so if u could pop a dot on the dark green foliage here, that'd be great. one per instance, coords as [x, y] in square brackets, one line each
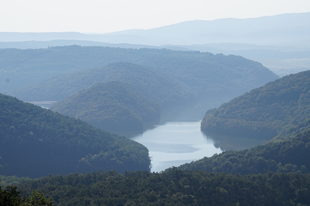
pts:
[195, 72]
[38, 199]
[174, 187]
[10, 196]
[35, 142]
[112, 106]
[282, 156]
[264, 112]
[292, 131]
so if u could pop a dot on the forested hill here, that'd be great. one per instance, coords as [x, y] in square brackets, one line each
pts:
[149, 81]
[264, 112]
[289, 155]
[111, 106]
[36, 142]
[204, 73]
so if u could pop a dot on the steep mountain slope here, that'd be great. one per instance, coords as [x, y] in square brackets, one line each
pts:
[37, 142]
[112, 106]
[264, 112]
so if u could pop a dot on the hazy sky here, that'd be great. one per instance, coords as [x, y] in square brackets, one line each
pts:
[100, 16]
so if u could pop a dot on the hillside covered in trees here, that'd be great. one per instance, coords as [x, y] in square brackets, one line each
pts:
[182, 83]
[173, 187]
[149, 81]
[288, 155]
[111, 106]
[10, 196]
[272, 174]
[202, 71]
[186, 74]
[263, 112]
[150, 86]
[36, 142]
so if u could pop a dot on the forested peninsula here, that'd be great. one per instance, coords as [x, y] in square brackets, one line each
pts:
[264, 112]
[36, 142]
[111, 106]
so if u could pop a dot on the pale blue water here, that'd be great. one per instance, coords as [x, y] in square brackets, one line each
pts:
[176, 143]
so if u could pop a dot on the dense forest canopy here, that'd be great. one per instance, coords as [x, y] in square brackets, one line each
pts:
[10, 196]
[112, 106]
[264, 112]
[37, 142]
[173, 187]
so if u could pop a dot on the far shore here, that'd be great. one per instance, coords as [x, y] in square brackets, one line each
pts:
[42, 102]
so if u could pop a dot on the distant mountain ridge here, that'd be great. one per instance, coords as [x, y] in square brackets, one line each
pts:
[279, 29]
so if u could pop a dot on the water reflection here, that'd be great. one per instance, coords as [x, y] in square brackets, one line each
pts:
[225, 142]
[43, 104]
[176, 143]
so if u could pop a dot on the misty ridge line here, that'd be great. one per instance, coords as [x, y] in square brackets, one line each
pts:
[289, 29]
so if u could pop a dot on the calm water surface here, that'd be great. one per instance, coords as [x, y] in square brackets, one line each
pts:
[176, 143]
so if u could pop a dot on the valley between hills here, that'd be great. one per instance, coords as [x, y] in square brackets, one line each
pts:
[80, 150]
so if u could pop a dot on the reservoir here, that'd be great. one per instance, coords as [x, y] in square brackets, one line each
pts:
[176, 143]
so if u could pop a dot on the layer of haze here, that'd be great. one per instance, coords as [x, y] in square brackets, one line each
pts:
[102, 16]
